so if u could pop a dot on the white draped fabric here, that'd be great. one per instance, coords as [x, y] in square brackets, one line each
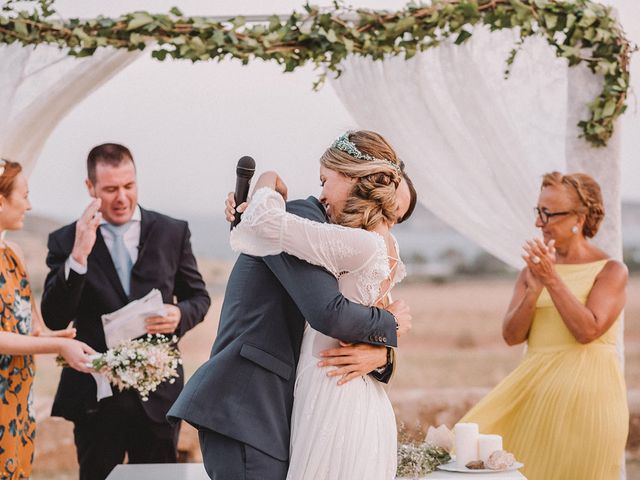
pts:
[39, 86]
[474, 142]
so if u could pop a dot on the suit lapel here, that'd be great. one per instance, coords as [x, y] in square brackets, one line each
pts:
[147, 221]
[103, 258]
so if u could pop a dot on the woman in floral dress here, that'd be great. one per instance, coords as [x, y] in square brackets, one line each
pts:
[22, 334]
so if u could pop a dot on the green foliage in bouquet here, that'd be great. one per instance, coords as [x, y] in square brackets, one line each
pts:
[582, 31]
[417, 460]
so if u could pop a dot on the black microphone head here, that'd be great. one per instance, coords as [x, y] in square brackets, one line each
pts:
[246, 167]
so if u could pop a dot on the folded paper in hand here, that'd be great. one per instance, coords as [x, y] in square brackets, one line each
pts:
[128, 322]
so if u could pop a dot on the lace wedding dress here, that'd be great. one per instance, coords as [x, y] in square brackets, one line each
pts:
[342, 432]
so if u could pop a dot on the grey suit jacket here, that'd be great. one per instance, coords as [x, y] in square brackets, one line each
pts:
[245, 389]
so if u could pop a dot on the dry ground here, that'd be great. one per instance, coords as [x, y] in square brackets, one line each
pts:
[453, 355]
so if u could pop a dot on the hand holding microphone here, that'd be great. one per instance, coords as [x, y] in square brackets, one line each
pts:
[233, 210]
[244, 171]
[230, 207]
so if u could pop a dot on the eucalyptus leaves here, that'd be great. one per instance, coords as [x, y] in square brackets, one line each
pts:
[582, 31]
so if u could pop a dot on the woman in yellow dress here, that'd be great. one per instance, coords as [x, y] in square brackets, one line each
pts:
[563, 411]
[20, 338]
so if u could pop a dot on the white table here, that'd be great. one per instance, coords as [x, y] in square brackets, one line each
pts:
[440, 475]
[195, 471]
[159, 471]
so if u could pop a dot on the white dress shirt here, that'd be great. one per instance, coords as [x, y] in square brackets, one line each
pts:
[131, 241]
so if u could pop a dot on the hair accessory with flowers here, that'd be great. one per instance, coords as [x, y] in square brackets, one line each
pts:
[345, 145]
[3, 162]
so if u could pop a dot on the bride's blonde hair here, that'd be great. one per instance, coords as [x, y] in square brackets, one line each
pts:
[373, 197]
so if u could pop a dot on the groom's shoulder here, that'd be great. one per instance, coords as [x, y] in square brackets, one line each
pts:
[64, 235]
[310, 208]
[162, 219]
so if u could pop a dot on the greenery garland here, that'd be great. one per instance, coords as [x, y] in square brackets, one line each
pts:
[582, 31]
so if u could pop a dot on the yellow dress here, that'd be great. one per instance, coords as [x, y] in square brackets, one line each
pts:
[563, 411]
[17, 421]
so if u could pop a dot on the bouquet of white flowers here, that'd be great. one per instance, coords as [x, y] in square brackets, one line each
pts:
[141, 364]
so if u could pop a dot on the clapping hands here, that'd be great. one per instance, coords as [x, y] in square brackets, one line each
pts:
[540, 259]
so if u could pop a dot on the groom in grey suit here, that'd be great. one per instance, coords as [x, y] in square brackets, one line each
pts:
[241, 399]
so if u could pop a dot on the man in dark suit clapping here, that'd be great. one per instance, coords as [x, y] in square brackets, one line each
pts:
[115, 253]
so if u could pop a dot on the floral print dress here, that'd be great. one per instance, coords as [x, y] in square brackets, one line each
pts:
[17, 420]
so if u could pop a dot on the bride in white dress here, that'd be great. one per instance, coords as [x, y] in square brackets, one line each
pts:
[348, 431]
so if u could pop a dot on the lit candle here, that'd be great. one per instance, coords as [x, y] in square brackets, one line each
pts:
[487, 444]
[466, 442]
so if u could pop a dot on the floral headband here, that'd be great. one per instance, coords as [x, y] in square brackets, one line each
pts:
[345, 145]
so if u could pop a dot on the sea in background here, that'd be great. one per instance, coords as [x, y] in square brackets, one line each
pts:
[428, 245]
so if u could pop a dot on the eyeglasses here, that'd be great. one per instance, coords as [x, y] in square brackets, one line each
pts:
[545, 215]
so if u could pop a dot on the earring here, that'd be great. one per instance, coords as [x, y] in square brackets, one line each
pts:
[574, 229]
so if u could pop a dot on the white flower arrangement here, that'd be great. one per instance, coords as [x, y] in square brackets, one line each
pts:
[415, 460]
[418, 460]
[141, 364]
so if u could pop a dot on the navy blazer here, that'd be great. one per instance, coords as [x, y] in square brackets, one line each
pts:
[245, 389]
[165, 261]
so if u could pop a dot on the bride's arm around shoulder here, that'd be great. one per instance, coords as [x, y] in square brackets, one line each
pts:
[268, 229]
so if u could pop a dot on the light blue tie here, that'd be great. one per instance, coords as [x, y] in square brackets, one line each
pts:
[120, 255]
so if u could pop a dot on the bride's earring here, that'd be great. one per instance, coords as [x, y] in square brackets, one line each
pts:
[574, 229]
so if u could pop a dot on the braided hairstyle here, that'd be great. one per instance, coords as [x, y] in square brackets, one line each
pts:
[8, 177]
[587, 196]
[373, 197]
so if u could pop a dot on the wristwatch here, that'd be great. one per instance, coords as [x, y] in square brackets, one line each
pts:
[391, 358]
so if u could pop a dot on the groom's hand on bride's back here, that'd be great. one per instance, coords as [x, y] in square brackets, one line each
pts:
[359, 359]
[353, 360]
[400, 310]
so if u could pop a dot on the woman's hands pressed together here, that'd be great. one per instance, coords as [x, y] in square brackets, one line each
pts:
[540, 259]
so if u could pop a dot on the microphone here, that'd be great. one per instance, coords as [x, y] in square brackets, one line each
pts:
[244, 171]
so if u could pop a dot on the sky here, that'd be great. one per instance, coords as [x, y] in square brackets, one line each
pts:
[188, 124]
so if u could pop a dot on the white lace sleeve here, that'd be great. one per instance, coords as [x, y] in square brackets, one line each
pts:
[267, 229]
[261, 227]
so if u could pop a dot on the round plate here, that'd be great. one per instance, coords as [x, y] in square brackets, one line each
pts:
[454, 467]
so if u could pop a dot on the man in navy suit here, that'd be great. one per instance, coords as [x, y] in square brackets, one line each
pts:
[115, 253]
[241, 399]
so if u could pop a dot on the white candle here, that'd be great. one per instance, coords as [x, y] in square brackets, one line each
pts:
[487, 444]
[466, 442]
